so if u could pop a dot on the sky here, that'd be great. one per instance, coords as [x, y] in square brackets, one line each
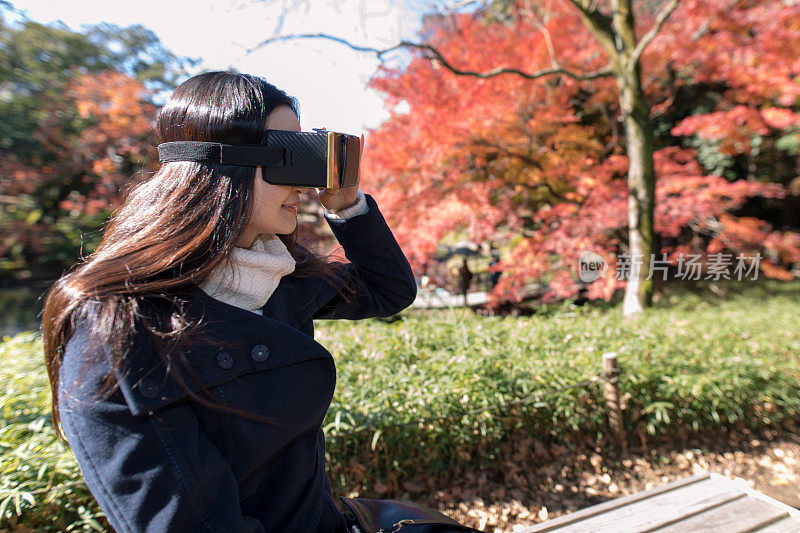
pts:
[328, 79]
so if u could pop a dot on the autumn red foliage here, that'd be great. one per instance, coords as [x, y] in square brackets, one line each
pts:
[537, 167]
[96, 138]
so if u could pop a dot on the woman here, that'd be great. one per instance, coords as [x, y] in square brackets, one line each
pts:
[181, 353]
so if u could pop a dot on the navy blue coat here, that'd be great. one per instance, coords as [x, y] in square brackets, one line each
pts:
[156, 460]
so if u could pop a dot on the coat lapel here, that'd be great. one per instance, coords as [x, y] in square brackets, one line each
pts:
[147, 385]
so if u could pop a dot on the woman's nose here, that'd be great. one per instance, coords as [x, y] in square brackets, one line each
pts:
[302, 190]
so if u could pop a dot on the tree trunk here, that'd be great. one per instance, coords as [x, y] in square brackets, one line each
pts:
[641, 202]
[641, 176]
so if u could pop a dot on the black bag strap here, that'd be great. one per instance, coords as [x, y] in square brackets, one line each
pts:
[245, 155]
[435, 526]
[391, 516]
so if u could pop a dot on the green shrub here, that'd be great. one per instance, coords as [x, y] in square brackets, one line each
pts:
[694, 362]
[41, 485]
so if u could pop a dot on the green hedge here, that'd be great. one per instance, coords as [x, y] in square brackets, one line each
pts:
[693, 363]
[41, 486]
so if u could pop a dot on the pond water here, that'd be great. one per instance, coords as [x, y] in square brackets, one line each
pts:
[21, 307]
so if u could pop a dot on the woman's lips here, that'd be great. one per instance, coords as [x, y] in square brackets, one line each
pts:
[292, 208]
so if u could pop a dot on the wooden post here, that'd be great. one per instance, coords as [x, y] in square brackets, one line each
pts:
[611, 393]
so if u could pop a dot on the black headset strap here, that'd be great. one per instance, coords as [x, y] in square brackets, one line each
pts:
[245, 155]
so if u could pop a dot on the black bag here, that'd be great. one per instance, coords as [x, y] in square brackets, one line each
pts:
[365, 515]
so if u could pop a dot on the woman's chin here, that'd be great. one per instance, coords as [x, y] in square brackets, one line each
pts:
[286, 230]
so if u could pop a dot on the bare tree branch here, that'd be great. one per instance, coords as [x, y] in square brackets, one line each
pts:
[435, 54]
[600, 24]
[444, 9]
[650, 35]
[541, 25]
[602, 28]
[284, 13]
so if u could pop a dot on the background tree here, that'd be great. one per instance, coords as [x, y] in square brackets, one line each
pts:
[78, 110]
[533, 157]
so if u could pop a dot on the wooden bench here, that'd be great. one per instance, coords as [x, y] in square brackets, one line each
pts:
[705, 502]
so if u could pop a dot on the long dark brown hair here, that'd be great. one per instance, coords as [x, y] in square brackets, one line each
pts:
[172, 230]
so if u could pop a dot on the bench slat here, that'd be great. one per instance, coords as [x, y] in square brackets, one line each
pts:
[787, 525]
[741, 515]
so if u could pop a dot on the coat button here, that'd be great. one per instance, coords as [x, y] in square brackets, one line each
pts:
[259, 353]
[225, 360]
[149, 388]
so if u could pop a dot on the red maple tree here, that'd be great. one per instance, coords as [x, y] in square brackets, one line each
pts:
[538, 167]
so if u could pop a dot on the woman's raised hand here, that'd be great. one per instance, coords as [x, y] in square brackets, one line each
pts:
[337, 199]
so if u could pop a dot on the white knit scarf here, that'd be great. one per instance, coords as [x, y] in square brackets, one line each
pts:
[252, 275]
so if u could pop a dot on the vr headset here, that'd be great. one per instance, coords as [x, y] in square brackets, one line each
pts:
[322, 159]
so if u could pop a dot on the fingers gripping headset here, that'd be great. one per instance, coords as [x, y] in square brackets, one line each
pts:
[321, 159]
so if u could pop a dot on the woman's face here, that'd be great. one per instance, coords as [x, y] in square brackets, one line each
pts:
[274, 206]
